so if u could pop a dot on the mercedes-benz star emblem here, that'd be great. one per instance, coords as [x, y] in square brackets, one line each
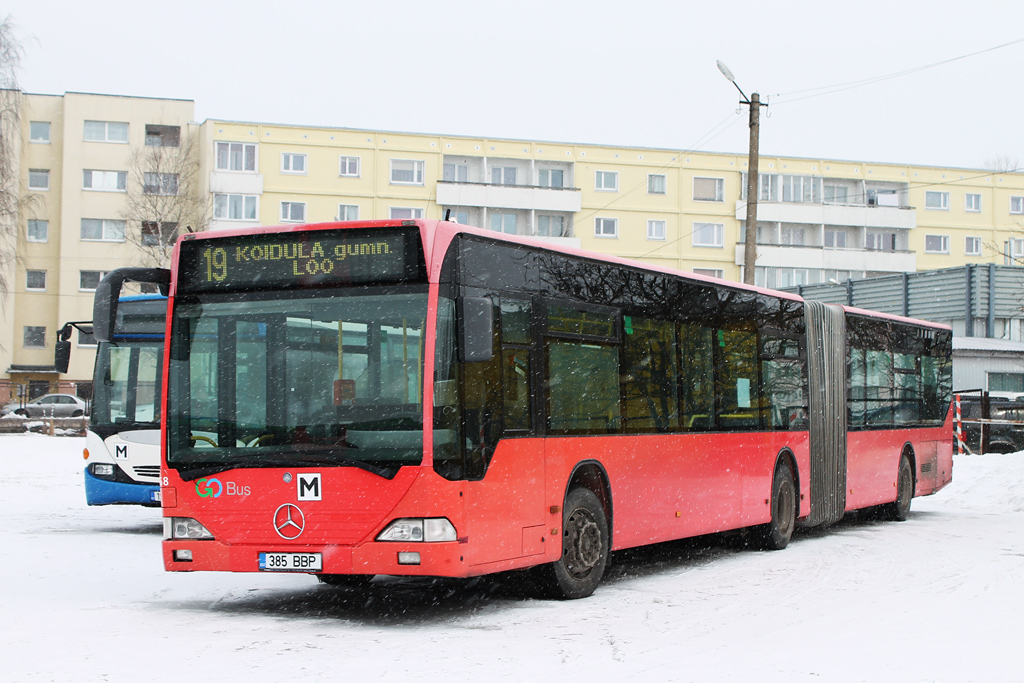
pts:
[289, 521]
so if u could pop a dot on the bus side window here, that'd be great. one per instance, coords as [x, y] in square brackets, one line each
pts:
[649, 380]
[736, 384]
[515, 357]
[696, 377]
[481, 381]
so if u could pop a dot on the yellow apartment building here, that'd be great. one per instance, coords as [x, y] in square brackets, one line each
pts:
[819, 220]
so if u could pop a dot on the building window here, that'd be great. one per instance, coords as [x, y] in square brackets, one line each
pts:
[38, 179]
[163, 136]
[165, 184]
[88, 338]
[937, 201]
[34, 337]
[972, 246]
[37, 231]
[708, 234]
[836, 194]
[504, 222]
[1016, 204]
[406, 172]
[89, 279]
[236, 156]
[102, 230]
[606, 181]
[708, 189]
[655, 183]
[39, 131]
[234, 207]
[1005, 381]
[606, 227]
[551, 226]
[403, 213]
[835, 239]
[156, 234]
[107, 181]
[106, 131]
[936, 244]
[35, 280]
[972, 202]
[655, 230]
[503, 175]
[293, 163]
[348, 212]
[455, 216]
[293, 212]
[792, 236]
[800, 188]
[880, 241]
[455, 173]
[349, 166]
[709, 272]
[551, 177]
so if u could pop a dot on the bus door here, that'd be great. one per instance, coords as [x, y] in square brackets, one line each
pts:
[505, 491]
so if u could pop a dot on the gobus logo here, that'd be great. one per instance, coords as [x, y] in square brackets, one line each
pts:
[213, 488]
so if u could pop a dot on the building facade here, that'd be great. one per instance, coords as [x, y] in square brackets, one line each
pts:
[819, 221]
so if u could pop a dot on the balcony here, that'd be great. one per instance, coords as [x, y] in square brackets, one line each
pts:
[784, 256]
[859, 215]
[236, 183]
[568, 199]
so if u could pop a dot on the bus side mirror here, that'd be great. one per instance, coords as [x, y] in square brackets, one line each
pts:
[476, 329]
[62, 355]
[108, 291]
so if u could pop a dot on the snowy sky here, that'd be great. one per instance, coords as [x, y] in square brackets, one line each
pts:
[595, 71]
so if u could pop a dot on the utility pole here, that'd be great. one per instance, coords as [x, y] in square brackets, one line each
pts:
[750, 231]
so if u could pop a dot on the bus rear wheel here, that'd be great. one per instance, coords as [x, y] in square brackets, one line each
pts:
[899, 509]
[775, 535]
[585, 548]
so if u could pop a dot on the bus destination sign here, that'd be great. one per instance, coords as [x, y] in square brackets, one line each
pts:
[321, 257]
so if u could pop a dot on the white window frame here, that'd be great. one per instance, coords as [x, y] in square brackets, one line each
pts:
[348, 212]
[227, 205]
[652, 183]
[288, 163]
[548, 218]
[227, 167]
[414, 213]
[34, 128]
[289, 209]
[718, 235]
[36, 174]
[161, 183]
[28, 287]
[972, 202]
[107, 228]
[972, 246]
[943, 244]
[835, 235]
[710, 272]
[106, 137]
[656, 230]
[943, 200]
[550, 173]
[602, 180]
[101, 274]
[1016, 205]
[416, 170]
[602, 226]
[90, 175]
[42, 336]
[346, 164]
[719, 189]
[29, 237]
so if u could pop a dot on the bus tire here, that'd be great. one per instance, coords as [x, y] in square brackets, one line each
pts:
[775, 535]
[585, 549]
[899, 509]
[350, 580]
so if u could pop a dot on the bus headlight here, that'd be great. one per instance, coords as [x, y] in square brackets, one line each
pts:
[430, 530]
[103, 470]
[178, 528]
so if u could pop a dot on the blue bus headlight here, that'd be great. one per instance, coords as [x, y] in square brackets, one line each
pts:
[429, 530]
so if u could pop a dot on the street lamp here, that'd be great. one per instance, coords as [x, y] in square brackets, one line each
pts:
[750, 233]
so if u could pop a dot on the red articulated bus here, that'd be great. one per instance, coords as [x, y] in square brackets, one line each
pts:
[423, 398]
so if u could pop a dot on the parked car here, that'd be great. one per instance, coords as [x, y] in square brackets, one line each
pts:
[1004, 423]
[51, 405]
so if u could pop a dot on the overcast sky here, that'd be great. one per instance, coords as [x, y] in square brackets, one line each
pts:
[621, 73]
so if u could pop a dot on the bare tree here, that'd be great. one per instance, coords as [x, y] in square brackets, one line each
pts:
[12, 202]
[1003, 163]
[164, 197]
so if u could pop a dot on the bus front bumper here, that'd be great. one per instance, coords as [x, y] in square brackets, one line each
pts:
[103, 492]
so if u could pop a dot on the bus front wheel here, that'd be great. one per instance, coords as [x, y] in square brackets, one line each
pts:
[775, 535]
[585, 548]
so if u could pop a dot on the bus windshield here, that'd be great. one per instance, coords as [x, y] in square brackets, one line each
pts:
[300, 378]
[127, 389]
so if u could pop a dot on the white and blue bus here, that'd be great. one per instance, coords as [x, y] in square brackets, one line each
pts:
[123, 440]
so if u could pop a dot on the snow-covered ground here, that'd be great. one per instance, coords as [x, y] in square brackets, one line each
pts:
[83, 597]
